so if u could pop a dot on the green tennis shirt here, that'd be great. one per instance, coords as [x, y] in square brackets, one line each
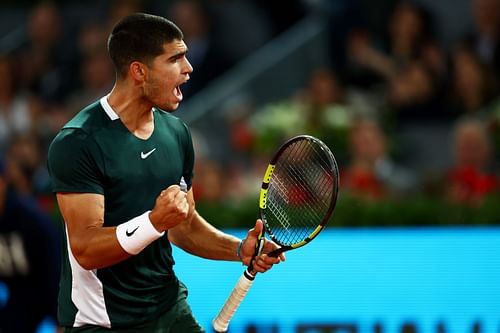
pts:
[95, 153]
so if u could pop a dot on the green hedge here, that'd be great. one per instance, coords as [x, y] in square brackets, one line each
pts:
[351, 212]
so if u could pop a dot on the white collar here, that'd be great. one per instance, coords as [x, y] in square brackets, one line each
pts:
[109, 110]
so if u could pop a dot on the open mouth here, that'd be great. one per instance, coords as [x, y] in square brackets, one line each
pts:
[178, 93]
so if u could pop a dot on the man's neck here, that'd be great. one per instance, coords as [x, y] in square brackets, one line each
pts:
[135, 114]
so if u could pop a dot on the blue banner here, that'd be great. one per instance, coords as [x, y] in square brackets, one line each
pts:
[363, 280]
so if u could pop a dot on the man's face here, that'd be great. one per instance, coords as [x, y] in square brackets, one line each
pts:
[165, 75]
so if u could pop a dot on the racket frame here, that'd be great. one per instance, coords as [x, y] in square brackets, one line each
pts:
[265, 185]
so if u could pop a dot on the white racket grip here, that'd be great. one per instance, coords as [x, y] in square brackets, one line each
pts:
[221, 322]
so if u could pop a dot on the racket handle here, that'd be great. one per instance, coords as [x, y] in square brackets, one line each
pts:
[221, 322]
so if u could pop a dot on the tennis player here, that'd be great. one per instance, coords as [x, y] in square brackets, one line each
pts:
[122, 169]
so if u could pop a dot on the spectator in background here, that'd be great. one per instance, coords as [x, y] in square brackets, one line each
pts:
[473, 83]
[412, 66]
[371, 174]
[204, 54]
[26, 168]
[46, 58]
[92, 38]
[29, 261]
[484, 39]
[323, 107]
[97, 77]
[410, 37]
[412, 94]
[17, 110]
[119, 9]
[472, 177]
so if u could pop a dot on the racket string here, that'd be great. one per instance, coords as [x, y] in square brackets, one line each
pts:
[322, 185]
[297, 177]
[280, 218]
[303, 175]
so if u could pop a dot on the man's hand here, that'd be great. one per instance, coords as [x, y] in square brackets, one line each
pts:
[262, 262]
[171, 208]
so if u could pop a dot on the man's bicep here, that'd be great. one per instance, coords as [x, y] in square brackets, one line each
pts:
[81, 211]
[92, 245]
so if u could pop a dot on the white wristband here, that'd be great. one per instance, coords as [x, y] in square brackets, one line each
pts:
[136, 234]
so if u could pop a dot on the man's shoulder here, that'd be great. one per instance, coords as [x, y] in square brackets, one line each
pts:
[167, 116]
[171, 120]
[78, 132]
[88, 119]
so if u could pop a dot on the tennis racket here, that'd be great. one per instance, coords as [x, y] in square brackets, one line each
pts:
[297, 198]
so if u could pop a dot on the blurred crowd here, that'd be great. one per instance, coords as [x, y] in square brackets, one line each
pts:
[405, 115]
[379, 83]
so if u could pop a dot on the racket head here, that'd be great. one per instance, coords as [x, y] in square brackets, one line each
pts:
[299, 192]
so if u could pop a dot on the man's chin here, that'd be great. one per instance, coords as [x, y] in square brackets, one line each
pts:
[170, 107]
[174, 107]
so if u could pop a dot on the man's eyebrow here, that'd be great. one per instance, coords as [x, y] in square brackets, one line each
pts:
[178, 55]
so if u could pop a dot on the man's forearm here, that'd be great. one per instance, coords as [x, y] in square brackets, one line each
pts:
[200, 238]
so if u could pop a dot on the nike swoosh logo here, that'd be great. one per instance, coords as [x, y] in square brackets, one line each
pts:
[130, 233]
[145, 155]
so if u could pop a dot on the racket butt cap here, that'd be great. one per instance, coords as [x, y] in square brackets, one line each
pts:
[218, 326]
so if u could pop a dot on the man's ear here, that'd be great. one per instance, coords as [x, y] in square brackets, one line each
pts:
[138, 71]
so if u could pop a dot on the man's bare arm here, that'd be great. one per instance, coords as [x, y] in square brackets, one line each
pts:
[200, 238]
[93, 245]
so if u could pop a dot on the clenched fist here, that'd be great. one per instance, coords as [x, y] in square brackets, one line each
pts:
[171, 208]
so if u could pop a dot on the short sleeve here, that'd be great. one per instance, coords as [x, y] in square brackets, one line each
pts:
[73, 163]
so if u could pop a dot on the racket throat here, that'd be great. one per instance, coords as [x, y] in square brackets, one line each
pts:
[249, 274]
[277, 252]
